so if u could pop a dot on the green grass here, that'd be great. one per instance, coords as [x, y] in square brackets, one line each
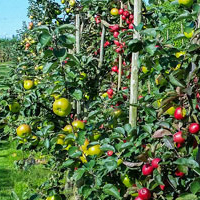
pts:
[17, 180]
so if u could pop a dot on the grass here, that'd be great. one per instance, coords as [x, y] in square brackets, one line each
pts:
[17, 180]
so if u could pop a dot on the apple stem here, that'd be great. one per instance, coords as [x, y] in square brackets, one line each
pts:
[78, 51]
[120, 56]
[134, 67]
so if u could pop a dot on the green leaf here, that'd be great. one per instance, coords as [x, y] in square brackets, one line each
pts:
[86, 191]
[126, 145]
[110, 189]
[147, 128]
[172, 180]
[44, 39]
[120, 130]
[74, 152]
[59, 53]
[187, 197]
[79, 173]
[48, 67]
[107, 147]
[77, 94]
[190, 162]
[110, 165]
[47, 143]
[175, 81]
[66, 26]
[195, 186]
[135, 45]
[67, 163]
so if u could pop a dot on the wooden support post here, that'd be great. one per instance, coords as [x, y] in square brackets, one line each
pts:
[103, 32]
[120, 56]
[134, 67]
[78, 51]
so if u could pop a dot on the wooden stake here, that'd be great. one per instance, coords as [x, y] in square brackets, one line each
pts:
[103, 32]
[120, 56]
[78, 51]
[134, 67]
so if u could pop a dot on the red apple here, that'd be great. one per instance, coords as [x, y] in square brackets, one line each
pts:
[127, 21]
[117, 42]
[115, 69]
[194, 128]
[123, 17]
[126, 13]
[178, 173]
[144, 193]
[147, 169]
[110, 92]
[131, 17]
[179, 113]
[138, 198]
[131, 26]
[155, 162]
[115, 34]
[110, 153]
[120, 11]
[162, 187]
[177, 137]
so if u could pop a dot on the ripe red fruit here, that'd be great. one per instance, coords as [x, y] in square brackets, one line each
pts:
[123, 17]
[126, 13]
[131, 17]
[144, 193]
[131, 26]
[75, 168]
[194, 128]
[179, 113]
[118, 50]
[110, 96]
[140, 97]
[128, 21]
[198, 95]
[117, 42]
[177, 137]
[155, 162]
[120, 11]
[115, 34]
[147, 169]
[110, 153]
[125, 97]
[110, 92]
[124, 63]
[97, 19]
[138, 198]
[115, 69]
[124, 88]
[114, 28]
[197, 107]
[178, 173]
[162, 187]
[107, 43]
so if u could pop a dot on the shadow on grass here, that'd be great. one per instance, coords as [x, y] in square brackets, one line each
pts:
[6, 182]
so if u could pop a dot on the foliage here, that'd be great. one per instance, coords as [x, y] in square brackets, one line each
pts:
[48, 56]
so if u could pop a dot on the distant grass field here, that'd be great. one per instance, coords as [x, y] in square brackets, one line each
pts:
[17, 181]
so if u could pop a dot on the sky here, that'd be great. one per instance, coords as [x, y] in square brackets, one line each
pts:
[12, 14]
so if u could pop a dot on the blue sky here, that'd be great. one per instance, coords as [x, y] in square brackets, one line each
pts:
[12, 14]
